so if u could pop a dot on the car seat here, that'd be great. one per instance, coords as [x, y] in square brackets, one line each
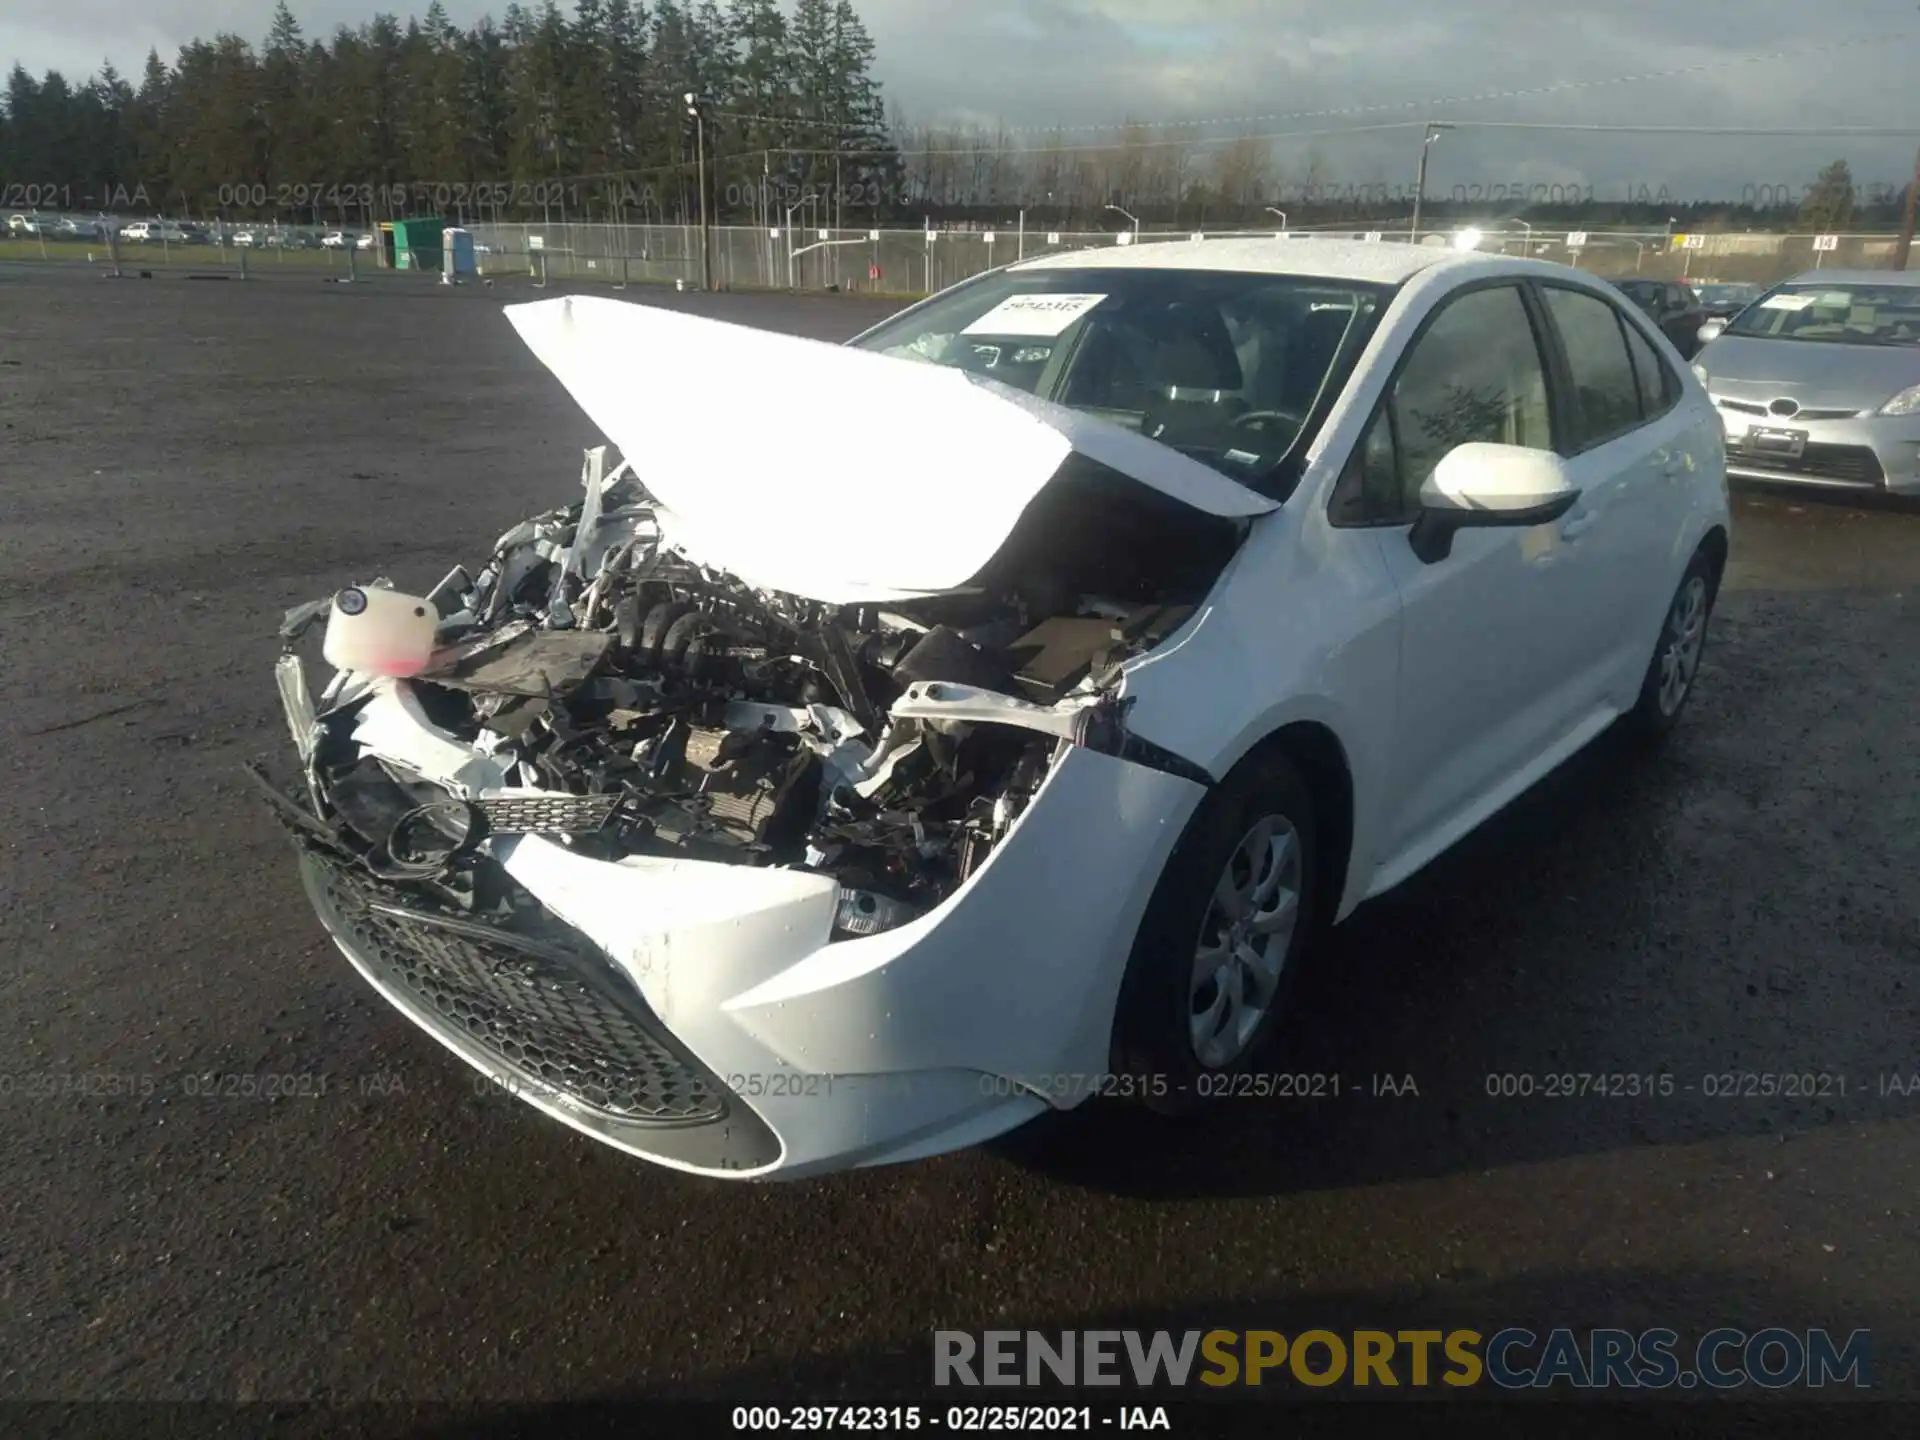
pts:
[1312, 343]
[1193, 375]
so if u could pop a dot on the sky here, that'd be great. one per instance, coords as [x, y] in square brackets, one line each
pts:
[1033, 64]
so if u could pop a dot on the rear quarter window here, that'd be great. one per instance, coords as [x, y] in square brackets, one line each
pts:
[1658, 385]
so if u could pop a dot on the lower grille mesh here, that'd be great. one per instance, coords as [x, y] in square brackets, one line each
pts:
[548, 1012]
[1848, 464]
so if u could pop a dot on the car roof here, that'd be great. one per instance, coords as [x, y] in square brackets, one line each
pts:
[1909, 278]
[1380, 262]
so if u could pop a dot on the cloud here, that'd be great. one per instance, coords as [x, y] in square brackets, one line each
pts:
[1033, 64]
[1374, 61]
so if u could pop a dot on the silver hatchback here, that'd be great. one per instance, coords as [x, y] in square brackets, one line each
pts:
[1818, 382]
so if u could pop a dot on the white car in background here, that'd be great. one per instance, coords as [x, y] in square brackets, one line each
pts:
[776, 810]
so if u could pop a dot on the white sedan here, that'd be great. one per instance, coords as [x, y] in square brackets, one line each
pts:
[815, 793]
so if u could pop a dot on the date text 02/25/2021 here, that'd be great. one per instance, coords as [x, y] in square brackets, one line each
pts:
[957, 1419]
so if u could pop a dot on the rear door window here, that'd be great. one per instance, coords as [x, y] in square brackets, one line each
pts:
[1606, 394]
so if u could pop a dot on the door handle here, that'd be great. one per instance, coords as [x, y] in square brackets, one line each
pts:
[1576, 526]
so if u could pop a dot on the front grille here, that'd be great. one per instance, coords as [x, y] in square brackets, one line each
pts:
[551, 1011]
[546, 813]
[1754, 407]
[1843, 464]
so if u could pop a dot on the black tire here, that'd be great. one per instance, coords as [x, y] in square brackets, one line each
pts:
[1153, 1044]
[1652, 718]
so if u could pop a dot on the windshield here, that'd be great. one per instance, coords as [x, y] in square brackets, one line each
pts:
[1234, 370]
[1836, 314]
[1728, 294]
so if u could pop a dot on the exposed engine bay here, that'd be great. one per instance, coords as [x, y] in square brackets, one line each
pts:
[633, 702]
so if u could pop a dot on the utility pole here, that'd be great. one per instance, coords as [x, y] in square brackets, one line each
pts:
[1905, 243]
[1434, 127]
[700, 153]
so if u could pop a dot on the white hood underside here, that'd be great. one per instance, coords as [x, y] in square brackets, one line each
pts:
[837, 474]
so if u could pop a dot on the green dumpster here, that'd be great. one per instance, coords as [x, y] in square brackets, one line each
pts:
[412, 244]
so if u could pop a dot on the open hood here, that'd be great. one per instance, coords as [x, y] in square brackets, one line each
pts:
[837, 474]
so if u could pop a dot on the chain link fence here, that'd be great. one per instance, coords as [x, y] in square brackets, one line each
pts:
[921, 261]
[917, 262]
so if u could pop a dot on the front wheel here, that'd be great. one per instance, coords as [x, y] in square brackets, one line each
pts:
[1219, 947]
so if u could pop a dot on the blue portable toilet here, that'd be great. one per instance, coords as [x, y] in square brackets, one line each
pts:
[457, 252]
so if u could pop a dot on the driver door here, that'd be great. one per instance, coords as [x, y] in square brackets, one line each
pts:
[1487, 671]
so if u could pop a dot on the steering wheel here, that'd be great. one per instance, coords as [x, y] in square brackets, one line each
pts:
[1265, 417]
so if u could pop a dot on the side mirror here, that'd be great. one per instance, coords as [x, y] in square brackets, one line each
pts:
[1710, 331]
[1478, 485]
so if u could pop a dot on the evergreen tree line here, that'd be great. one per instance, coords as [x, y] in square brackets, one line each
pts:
[541, 112]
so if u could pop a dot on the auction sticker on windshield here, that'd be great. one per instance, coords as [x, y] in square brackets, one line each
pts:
[1787, 302]
[1033, 315]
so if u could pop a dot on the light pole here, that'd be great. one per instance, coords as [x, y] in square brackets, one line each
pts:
[1434, 127]
[1527, 238]
[700, 153]
[787, 229]
[1903, 246]
[1276, 210]
[1134, 218]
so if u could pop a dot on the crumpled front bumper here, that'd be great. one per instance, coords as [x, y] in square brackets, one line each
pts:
[695, 1013]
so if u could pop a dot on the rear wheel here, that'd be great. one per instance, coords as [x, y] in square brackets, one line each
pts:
[1218, 950]
[1668, 683]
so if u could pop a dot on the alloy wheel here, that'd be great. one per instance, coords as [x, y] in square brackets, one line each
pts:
[1244, 940]
[1680, 644]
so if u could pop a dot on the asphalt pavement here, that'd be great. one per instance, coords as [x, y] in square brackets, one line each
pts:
[183, 460]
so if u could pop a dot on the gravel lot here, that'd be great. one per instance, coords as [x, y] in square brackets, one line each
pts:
[182, 460]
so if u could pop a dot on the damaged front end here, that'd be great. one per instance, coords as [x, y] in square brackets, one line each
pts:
[595, 685]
